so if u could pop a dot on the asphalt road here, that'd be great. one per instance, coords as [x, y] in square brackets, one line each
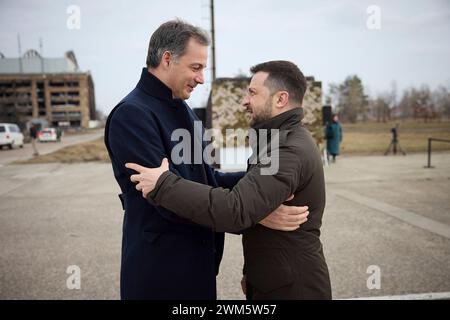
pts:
[387, 213]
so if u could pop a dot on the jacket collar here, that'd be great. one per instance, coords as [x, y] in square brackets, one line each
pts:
[286, 120]
[154, 87]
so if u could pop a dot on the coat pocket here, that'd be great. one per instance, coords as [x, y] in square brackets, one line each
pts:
[268, 269]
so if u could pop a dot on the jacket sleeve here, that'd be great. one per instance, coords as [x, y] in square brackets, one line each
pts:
[134, 136]
[228, 179]
[253, 198]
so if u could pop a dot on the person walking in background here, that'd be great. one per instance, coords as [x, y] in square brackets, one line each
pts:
[334, 137]
[33, 136]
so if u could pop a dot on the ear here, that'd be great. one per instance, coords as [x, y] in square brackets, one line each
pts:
[166, 58]
[281, 99]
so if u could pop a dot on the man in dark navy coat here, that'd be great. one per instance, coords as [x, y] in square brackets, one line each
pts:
[164, 256]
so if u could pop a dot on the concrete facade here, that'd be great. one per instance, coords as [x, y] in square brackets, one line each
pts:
[64, 97]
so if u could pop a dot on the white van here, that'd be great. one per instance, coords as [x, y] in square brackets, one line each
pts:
[10, 135]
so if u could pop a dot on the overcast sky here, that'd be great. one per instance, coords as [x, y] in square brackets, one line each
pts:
[326, 39]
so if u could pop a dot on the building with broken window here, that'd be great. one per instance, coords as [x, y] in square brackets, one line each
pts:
[51, 89]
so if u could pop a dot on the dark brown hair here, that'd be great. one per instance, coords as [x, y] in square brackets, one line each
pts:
[283, 75]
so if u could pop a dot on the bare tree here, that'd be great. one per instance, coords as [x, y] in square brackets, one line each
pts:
[441, 100]
[418, 104]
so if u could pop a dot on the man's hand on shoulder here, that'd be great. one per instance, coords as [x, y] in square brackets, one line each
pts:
[148, 177]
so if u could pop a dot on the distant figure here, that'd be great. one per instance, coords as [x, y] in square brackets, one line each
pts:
[334, 137]
[33, 136]
[394, 142]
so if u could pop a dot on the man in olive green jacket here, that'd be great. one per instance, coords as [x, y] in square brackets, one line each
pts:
[277, 265]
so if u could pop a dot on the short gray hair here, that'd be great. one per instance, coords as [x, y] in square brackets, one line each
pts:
[173, 36]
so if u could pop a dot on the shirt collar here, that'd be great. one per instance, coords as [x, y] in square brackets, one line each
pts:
[285, 120]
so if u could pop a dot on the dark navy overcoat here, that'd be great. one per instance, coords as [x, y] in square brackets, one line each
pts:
[163, 256]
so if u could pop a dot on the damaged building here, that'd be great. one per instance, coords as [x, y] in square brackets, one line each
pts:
[52, 89]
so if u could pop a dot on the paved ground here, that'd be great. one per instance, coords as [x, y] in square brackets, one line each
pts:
[7, 156]
[384, 211]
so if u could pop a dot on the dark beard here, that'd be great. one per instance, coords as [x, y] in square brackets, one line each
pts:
[264, 115]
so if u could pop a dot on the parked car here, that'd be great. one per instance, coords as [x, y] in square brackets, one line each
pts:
[10, 135]
[49, 134]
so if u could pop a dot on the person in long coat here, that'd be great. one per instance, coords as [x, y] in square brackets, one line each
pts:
[334, 137]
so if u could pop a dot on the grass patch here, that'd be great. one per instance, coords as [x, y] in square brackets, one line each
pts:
[374, 138]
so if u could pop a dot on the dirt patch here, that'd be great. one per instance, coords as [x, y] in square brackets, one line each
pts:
[84, 152]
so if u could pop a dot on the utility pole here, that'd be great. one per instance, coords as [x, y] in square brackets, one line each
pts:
[213, 44]
[42, 54]
[20, 54]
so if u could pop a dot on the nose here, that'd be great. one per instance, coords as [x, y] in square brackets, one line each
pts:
[245, 101]
[200, 78]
